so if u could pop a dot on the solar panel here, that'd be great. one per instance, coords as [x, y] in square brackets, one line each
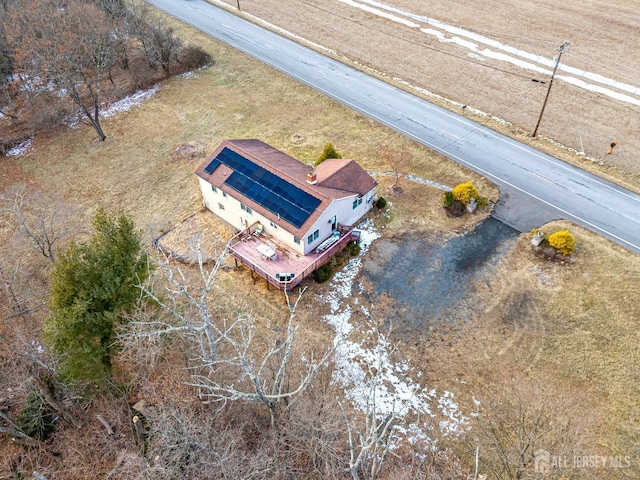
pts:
[273, 202]
[280, 197]
[215, 163]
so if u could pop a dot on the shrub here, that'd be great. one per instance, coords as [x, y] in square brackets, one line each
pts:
[354, 249]
[323, 273]
[464, 192]
[562, 242]
[447, 198]
[193, 57]
[483, 202]
[328, 152]
[381, 203]
[36, 420]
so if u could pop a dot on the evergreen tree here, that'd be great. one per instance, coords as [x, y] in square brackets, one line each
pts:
[92, 284]
[327, 152]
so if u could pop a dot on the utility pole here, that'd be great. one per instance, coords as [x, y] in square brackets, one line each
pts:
[238, 3]
[560, 49]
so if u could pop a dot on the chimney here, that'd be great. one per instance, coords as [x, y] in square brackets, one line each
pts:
[311, 177]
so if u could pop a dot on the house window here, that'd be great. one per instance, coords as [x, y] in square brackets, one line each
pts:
[224, 194]
[245, 208]
[310, 239]
[360, 201]
[214, 189]
[296, 240]
[221, 206]
[273, 225]
[316, 234]
[355, 204]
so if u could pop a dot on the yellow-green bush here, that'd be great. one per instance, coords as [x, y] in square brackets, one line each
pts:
[464, 192]
[447, 198]
[483, 202]
[562, 242]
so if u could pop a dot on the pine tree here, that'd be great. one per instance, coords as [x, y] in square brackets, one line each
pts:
[327, 152]
[92, 285]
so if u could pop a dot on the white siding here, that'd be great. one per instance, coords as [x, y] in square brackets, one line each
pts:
[241, 219]
[234, 214]
[345, 213]
[280, 233]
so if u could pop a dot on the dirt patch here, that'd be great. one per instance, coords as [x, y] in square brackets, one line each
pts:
[190, 151]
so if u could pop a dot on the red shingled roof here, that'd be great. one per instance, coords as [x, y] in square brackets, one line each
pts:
[337, 178]
[344, 174]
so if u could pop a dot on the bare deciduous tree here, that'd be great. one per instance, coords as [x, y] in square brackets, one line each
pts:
[371, 437]
[20, 293]
[265, 378]
[43, 218]
[159, 42]
[520, 418]
[229, 365]
[397, 158]
[189, 305]
[193, 442]
[67, 49]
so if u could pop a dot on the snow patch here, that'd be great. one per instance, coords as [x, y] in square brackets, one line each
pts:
[192, 73]
[123, 105]
[38, 346]
[357, 365]
[129, 102]
[20, 149]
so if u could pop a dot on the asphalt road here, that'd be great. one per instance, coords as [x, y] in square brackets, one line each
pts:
[534, 186]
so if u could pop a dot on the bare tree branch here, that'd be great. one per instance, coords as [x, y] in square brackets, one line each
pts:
[44, 219]
[229, 367]
[370, 444]
[267, 375]
[179, 288]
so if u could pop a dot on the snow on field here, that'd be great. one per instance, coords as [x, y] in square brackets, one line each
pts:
[20, 149]
[125, 104]
[122, 105]
[354, 362]
[413, 178]
[192, 73]
[475, 44]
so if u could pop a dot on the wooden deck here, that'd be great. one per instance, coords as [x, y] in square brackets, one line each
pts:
[288, 268]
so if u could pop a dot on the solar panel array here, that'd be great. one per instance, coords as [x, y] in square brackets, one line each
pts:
[280, 197]
[215, 163]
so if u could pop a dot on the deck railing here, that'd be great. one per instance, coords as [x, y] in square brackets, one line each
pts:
[326, 255]
[346, 235]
